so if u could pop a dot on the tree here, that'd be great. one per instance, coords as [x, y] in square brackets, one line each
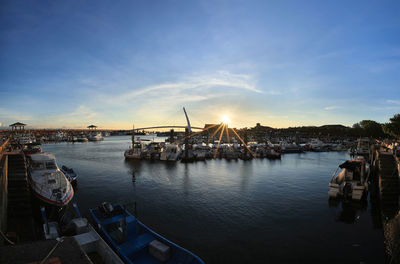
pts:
[372, 128]
[393, 128]
[357, 130]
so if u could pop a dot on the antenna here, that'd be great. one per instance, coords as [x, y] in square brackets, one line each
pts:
[188, 122]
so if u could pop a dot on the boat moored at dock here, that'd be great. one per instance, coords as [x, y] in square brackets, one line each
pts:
[95, 136]
[47, 181]
[352, 181]
[136, 151]
[171, 152]
[69, 173]
[135, 242]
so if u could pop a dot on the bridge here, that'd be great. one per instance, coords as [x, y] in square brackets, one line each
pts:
[188, 126]
[156, 127]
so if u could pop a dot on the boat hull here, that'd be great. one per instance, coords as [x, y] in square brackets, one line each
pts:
[137, 239]
[54, 202]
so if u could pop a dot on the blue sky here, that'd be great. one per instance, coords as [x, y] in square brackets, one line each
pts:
[281, 63]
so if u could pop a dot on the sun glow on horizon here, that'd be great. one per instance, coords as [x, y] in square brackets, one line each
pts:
[226, 120]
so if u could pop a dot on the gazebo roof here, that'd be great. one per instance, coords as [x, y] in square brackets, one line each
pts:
[91, 126]
[17, 124]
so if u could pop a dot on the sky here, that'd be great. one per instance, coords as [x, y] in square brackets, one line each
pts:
[118, 63]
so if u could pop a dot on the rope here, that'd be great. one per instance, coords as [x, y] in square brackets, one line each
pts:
[6, 238]
[59, 240]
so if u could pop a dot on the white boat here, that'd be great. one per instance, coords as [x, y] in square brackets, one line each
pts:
[47, 181]
[153, 151]
[136, 151]
[24, 140]
[171, 152]
[363, 145]
[316, 144]
[95, 136]
[352, 181]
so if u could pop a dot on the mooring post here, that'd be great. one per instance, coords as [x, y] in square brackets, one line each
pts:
[171, 136]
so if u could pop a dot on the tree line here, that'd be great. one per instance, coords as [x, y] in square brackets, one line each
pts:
[370, 128]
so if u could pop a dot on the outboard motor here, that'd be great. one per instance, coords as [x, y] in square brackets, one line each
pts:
[106, 208]
[347, 190]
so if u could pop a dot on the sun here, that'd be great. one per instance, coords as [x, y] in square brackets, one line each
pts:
[225, 119]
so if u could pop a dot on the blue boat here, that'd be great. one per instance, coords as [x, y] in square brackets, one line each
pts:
[135, 242]
[69, 173]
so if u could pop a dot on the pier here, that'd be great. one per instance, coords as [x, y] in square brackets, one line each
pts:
[17, 221]
[387, 169]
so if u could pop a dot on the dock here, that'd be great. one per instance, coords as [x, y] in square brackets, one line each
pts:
[67, 251]
[388, 179]
[21, 225]
[387, 167]
[21, 239]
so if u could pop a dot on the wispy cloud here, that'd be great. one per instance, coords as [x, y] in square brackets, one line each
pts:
[393, 102]
[333, 107]
[189, 88]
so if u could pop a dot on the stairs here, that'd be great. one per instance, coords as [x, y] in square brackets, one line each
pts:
[19, 208]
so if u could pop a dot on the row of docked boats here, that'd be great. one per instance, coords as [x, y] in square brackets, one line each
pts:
[197, 152]
[115, 236]
[26, 139]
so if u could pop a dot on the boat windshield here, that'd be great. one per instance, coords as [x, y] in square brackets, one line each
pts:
[38, 166]
[51, 165]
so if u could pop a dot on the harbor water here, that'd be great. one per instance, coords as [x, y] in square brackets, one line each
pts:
[257, 211]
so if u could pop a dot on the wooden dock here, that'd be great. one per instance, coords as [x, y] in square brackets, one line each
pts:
[388, 179]
[20, 222]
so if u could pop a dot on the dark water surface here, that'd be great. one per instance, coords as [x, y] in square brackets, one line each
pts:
[259, 211]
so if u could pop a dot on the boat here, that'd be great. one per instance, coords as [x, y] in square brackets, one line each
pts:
[69, 173]
[90, 242]
[363, 145]
[352, 181]
[82, 138]
[152, 151]
[136, 151]
[95, 136]
[272, 154]
[171, 152]
[31, 148]
[135, 242]
[231, 153]
[24, 140]
[47, 181]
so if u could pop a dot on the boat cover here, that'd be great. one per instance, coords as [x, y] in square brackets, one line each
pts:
[350, 165]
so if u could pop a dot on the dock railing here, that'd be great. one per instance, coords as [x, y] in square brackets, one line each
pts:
[4, 146]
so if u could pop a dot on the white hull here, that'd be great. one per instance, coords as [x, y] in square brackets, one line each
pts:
[351, 182]
[47, 182]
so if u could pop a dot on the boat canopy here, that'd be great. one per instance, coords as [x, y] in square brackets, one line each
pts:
[42, 157]
[350, 164]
